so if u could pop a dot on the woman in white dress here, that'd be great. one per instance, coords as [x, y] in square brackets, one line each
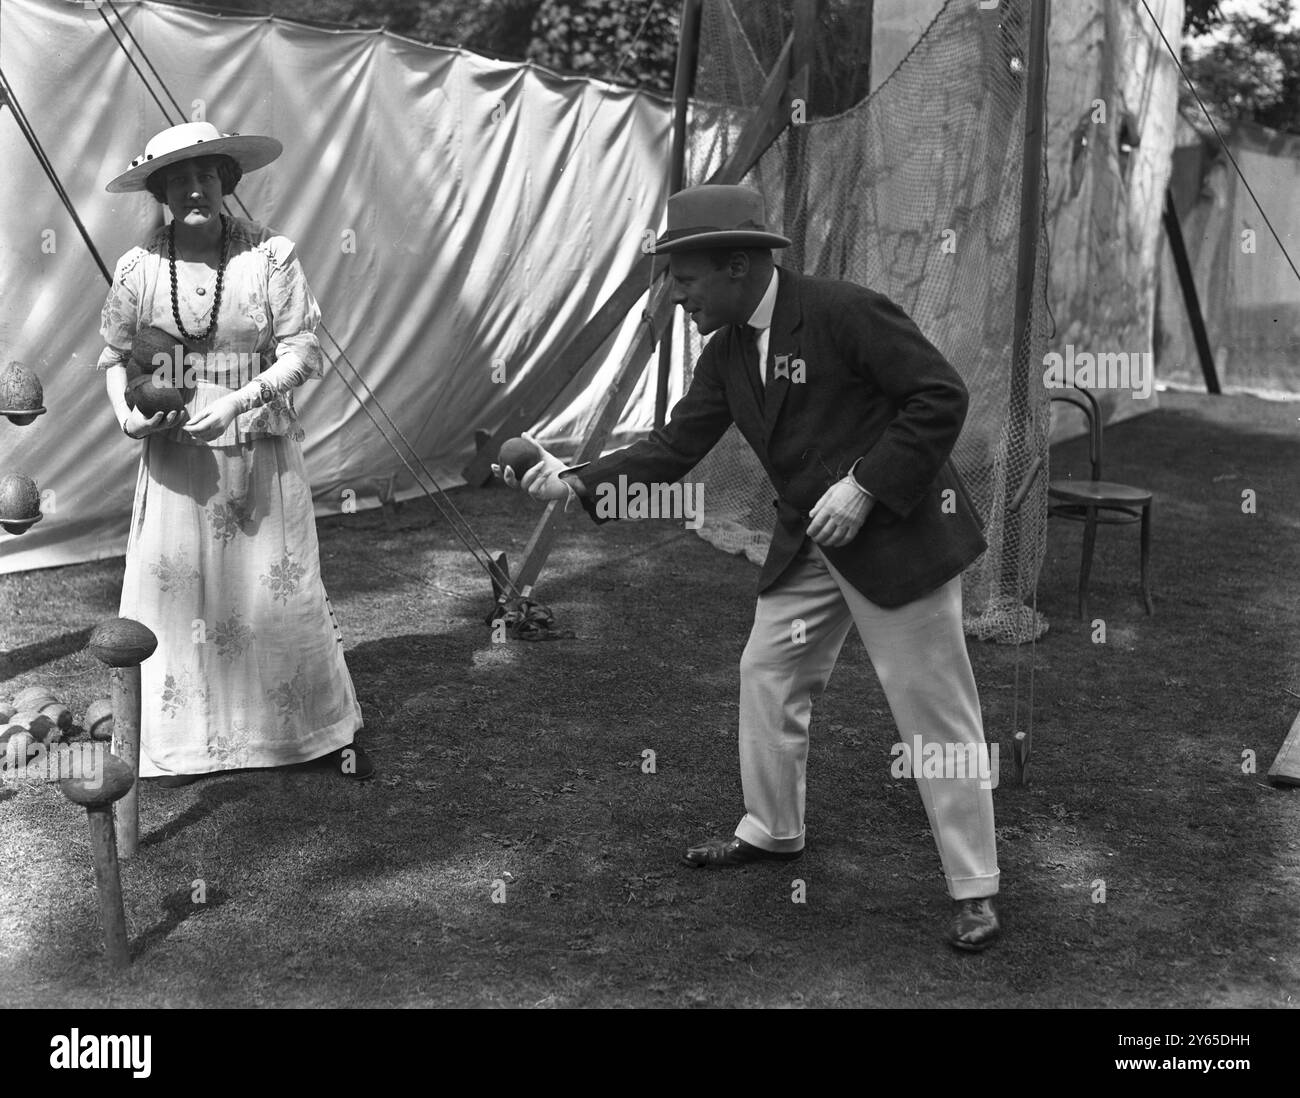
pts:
[222, 560]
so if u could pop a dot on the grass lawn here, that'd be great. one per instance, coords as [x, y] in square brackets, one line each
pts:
[521, 763]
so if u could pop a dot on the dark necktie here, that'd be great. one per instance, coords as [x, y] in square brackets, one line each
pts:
[749, 347]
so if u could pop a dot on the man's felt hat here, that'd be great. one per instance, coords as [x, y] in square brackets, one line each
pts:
[191, 139]
[717, 216]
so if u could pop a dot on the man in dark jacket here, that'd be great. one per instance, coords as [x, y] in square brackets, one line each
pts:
[853, 414]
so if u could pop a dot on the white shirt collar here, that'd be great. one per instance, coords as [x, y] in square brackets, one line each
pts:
[762, 317]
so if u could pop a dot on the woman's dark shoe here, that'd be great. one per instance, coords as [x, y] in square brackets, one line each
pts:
[352, 762]
[175, 781]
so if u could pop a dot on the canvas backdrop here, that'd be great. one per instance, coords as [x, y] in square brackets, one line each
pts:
[451, 212]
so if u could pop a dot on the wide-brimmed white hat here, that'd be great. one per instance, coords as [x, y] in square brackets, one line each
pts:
[192, 139]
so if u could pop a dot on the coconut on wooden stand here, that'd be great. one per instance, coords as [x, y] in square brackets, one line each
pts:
[21, 394]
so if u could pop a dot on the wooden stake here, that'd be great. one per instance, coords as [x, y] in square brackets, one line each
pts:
[124, 644]
[108, 882]
[96, 786]
[688, 54]
[126, 746]
[1192, 302]
[613, 403]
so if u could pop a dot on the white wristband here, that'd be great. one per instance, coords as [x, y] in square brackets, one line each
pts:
[573, 492]
[854, 481]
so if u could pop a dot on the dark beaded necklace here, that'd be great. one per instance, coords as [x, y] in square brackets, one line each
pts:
[216, 296]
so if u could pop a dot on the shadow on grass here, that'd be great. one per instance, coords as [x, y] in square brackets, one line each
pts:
[212, 795]
[177, 907]
[31, 656]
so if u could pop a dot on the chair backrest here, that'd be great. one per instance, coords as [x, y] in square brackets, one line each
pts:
[1081, 398]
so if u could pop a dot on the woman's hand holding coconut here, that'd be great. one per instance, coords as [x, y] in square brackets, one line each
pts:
[135, 424]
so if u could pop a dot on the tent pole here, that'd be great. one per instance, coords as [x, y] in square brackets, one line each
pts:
[1191, 300]
[1031, 218]
[7, 99]
[1031, 183]
[658, 310]
[802, 59]
[688, 56]
[1031, 214]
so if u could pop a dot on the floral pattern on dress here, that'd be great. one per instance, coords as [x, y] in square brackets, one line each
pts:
[174, 573]
[230, 518]
[232, 751]
[289, 698]
[120, 316]
[273, 417]
[180, 691]
[284, 578]
[232, 636]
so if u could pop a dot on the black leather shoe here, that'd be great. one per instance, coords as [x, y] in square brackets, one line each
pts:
[975, 926]
[353, 763]
[721, 853]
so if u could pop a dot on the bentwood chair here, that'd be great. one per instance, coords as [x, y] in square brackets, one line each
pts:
[1099, 502]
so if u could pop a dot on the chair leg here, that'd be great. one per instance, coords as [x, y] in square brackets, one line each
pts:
[1085, 566]
[1146, 556]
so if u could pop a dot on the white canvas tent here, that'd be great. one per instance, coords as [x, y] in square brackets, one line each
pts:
[452, 213]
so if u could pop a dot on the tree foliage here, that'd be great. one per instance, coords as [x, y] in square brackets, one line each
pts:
[632, 41]
[1249, 70]
[1201, 16]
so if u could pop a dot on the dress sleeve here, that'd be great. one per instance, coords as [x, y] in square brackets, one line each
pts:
[121, 314]
[295, 315]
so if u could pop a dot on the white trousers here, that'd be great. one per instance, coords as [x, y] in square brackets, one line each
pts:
[919, 654]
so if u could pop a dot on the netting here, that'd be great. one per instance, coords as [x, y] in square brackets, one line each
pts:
[913, 191]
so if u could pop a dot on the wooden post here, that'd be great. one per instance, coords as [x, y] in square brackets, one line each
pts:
[1031, 213]
[1177, 246]
[126, 746]
[124, 644]
[96, 787]
[615, 400]
[802, 59]
[688, 54]
[1031, 195]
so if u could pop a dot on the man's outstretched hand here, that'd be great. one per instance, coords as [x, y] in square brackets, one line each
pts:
[839, 514]
[542, 481]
